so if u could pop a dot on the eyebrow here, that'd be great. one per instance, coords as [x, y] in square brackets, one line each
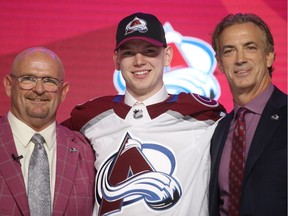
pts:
[250, 43]
[245, 44]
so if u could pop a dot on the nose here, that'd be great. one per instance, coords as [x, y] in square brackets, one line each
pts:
[240, 57]
[139, 59]
[39, 88]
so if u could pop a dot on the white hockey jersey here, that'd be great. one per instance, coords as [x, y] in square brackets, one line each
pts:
[150, 160]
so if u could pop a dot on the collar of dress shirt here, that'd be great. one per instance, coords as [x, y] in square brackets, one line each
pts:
[257, 105]
[23, 132]
[160, 96]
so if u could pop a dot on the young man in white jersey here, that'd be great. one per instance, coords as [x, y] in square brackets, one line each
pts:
[152, 148]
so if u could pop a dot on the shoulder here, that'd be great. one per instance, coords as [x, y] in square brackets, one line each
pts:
[197, 100]
[278, 98]
[4, 124]
[82, 113]
[277, 104]
[96, 105]
[66, 132]
[198, 106]
[70, 135]
[3, 119]
[73, 139]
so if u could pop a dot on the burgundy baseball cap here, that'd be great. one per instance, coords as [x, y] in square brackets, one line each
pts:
[141, 26]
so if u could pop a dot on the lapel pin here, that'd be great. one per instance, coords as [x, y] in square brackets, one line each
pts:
[73, 149]
[275, 117]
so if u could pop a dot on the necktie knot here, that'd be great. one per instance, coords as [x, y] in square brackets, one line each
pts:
[38, 139]
[242, 111]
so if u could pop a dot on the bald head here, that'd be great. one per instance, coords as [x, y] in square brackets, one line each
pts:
[39, 53]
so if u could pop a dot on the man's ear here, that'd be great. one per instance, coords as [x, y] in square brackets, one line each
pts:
[168, 56]
[116, 61]
[65, 89]
[7, 82]
[270, 59]
[219, 63]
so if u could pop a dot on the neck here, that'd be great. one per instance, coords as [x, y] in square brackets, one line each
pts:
[244, 96]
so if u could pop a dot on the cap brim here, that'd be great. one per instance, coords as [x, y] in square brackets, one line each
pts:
[149, 40]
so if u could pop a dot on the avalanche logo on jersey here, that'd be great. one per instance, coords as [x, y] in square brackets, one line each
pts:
[191, 69]
[131, 175]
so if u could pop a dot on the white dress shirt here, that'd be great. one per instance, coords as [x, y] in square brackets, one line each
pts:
[160, 96]
[22, 137]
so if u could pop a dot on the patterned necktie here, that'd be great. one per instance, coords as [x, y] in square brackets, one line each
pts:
[237, 161]
[39, 197]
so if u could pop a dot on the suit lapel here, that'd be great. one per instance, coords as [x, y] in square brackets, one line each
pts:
[220, 137]
[269, 121]
[11, 169]
[217, 145]
[66, 165]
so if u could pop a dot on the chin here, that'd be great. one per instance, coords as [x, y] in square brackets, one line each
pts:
[41, 114]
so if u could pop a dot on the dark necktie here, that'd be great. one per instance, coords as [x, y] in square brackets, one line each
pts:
[237, 161]
[39, 197]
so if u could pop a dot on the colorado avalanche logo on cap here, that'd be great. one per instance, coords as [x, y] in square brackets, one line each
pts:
[136, 24]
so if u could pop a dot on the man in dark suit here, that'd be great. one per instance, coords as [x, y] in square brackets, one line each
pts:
[36, 87]
[245, 53]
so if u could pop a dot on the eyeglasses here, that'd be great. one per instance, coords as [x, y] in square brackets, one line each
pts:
[28, 82]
